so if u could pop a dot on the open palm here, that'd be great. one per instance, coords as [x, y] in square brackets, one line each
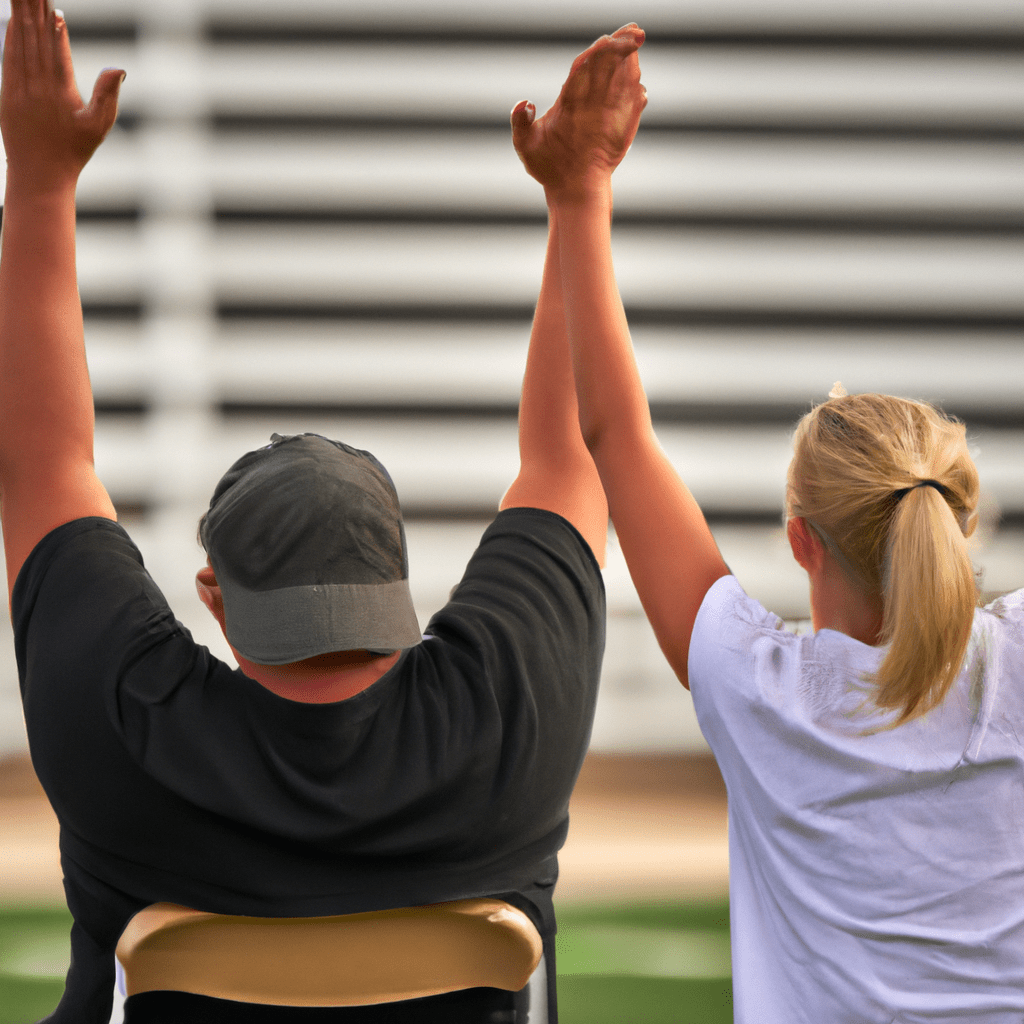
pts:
[586, 133]
[49, 132]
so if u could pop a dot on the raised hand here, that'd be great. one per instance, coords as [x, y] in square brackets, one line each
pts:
[49, 132]
[577, 144]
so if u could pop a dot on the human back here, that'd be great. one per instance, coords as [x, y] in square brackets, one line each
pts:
[876, 869]
[871, 779]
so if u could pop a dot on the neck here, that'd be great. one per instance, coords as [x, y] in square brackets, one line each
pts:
[323, 679]
[838, 603]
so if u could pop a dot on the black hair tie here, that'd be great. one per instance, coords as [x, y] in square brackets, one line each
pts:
[944, 491]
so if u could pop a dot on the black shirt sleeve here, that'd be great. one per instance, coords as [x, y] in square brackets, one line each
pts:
[529, 614]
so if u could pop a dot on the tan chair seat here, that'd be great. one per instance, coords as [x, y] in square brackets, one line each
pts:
[350, 960]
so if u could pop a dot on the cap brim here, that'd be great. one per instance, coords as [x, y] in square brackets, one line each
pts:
[277, 627]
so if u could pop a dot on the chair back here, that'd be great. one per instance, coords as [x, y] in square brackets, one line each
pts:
[350, 960]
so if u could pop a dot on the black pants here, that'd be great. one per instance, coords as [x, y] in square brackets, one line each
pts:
[470, 1006]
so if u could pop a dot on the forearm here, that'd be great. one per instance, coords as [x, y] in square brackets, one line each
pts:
[556, 470]
[671, 554]
[46, 408]
[610, 394]
[572, 151]
[548, 420]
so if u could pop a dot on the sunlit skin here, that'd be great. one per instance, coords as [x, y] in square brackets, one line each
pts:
[572, 151]
[46, 408]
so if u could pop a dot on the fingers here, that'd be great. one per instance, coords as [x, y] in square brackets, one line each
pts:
[523, 113]
[618, 46]
[33, 20]
[522, 117]
[31, 39]
[22, 38]
[633, 32]
[605, 62]
[63, 66]
[102, 108]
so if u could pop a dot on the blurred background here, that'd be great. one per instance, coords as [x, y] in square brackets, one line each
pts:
[310, 217]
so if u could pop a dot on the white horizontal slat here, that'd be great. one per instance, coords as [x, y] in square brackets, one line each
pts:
[680, 15]
[472, 364]
[118, 363]
[761, 176]
[664, 15]
[473, 461]
[786, 365]
[780, 269]
[111, 267]
[390, 79]
[116, 174]
[384, 171]
[834, 86]
[766, 176]
[999, 455]
[725, 175]
[663, 268]
[429, 461]
[366, 362]
[707, 82]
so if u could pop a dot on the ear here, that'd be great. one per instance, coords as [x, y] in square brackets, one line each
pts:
[808, 549]
[209, 593]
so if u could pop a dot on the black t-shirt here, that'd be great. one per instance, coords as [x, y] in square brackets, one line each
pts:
[177, 778]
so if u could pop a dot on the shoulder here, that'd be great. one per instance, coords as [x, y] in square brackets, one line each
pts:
[86, 582]
[1001, 623]
[1008, 608]
[726, 613]
[539, 527]
[738, 646]
[532, 581]
[527, 543]
[76, 548]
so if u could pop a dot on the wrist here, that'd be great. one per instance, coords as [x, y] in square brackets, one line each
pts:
[592, 194]
[30, 186]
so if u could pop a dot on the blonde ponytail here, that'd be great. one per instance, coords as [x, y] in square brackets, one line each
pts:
[890, 486]
[929, 597]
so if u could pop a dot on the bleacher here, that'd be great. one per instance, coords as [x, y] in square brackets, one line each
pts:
[310, 217]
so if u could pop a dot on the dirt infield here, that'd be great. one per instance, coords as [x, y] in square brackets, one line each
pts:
[641, 826]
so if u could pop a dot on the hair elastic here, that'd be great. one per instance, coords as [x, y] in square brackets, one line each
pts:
[944, 491]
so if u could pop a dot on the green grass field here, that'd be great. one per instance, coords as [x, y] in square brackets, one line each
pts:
[34, 953]
[663, 963]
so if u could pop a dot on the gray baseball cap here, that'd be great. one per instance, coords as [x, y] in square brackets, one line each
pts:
[307, 542]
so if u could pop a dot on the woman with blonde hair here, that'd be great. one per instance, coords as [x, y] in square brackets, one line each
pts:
[875, 768]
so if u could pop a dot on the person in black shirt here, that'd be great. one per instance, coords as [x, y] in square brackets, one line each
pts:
[349, 763]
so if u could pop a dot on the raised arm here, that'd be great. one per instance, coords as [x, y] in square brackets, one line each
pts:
[572, 150]
[556, 471]
[46, 411]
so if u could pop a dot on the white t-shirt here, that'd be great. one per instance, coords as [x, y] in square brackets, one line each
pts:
[875, 876]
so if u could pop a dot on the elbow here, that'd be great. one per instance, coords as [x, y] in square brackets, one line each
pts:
[614, 422]
[607, 440]
[594, 432]
[599, 431]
